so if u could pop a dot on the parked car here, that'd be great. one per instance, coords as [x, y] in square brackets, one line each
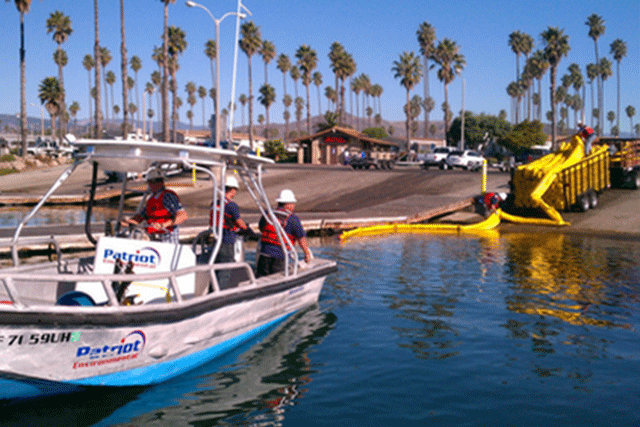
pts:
[465, 159]
[46, 147]
[436, 157]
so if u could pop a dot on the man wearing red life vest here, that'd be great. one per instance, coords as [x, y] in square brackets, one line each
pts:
[271, 257]
[588, 135]
[231, 223]
[163, 212]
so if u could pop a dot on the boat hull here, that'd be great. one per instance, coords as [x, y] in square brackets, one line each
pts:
[60, 350]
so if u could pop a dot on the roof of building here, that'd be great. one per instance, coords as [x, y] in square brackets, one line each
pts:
[349, 132]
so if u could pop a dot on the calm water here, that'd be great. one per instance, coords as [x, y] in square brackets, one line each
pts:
[419, 330]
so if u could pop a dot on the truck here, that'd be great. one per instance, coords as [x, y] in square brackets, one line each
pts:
[47, 147]
[625, 161]
[376, 159]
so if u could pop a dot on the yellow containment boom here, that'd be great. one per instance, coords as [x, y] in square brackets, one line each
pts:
[480, 228]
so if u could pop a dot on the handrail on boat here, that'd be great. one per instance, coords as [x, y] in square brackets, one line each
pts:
[35, 240]
[8, 279]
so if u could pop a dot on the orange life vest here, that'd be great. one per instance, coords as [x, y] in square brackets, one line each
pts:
[157, 213]
[269, 234]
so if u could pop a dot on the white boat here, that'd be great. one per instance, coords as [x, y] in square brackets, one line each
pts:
[63, 325]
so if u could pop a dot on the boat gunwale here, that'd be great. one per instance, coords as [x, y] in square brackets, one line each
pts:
[158, 313]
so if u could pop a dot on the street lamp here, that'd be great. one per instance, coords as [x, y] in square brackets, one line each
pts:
[240, 15]
[41, 120]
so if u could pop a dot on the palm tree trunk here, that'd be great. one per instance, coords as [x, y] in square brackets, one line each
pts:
[250, 107]
[306, 83]
[165, 76]
[98, 60]
[553, 108]
[408, 120]
[426, 95]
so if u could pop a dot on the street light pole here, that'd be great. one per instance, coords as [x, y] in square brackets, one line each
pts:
[190, 3]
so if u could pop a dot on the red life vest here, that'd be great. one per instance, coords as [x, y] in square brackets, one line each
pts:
[586, 132]
[228, 222]
[491, 200]
[269, 234]
[157, 213]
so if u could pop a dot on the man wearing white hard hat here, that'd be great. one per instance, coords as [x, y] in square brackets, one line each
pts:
[271, 257]
[231, 223]
[163, 211]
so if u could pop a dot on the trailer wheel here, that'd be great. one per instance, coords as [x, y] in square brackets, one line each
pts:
[390, 164]
[583, 203]
[593, 199]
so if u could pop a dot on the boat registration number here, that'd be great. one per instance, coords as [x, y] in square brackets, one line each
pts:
[34, 339]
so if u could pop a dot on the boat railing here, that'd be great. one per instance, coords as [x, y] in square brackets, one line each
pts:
[13, 282]
[52, 243]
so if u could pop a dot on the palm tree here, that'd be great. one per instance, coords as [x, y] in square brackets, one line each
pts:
[110, 79]
[136, 65]
[88, 64]
[156, 79]
[250, 44]
[202, 93]
[619, 51]
[191, 90]
[243, 101]
[426, 37]
[177, 45]
[51, 95]
[165, 71]
[317, 80]
[61, 59]
[284, 65]
[294, 72]
[268, 52]
[60, 25]
[23, 7]
[123, 71]
[335, 54]
[330, 94]
[631, 111]
[356, 87]
[365, 83]
[605, 72]
[98, 65]
[592, 74]
[211, 51]
[376, 92]
[409, 71]
[105, 58]
[150, 89]
[451, 62]
[596, 29]
[73, 111]
[556, 46]
[343, 66]
[266, 98]
[286, 115]
[307, 61]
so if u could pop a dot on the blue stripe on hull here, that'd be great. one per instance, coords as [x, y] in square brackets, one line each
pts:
[26, 388]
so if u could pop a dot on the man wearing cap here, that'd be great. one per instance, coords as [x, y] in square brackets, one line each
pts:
[231, 223]
[163, 211]
[271, 257]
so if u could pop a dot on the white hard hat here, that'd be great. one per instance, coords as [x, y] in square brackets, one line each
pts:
[154, 174]
[286, 196]
[231, 182]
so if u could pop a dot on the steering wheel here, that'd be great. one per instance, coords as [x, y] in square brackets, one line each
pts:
[134, 231]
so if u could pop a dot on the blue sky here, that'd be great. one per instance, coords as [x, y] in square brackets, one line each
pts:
[375, 32]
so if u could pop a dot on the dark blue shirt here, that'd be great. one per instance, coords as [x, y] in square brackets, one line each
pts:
[231, 210]
[293, 227]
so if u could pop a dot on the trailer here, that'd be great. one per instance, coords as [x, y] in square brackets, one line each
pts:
[377, 159]
[625, 161]
[562, 181]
